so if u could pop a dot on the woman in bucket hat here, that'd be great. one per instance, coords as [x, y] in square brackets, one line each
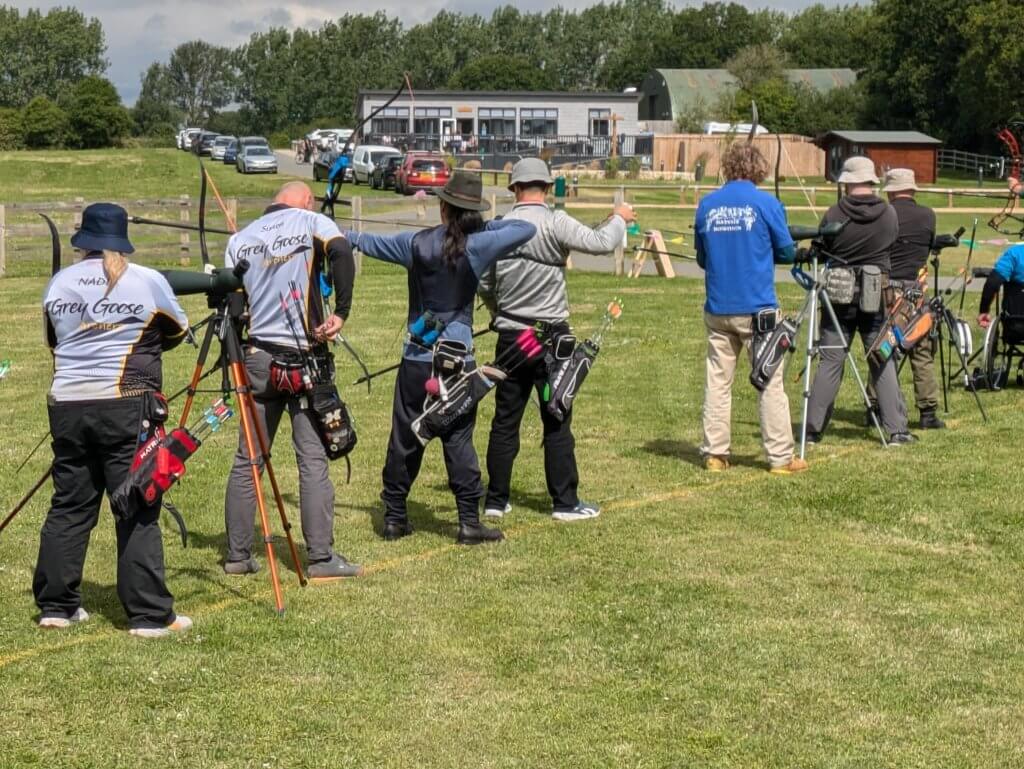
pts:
[107, 323]
[444, 264]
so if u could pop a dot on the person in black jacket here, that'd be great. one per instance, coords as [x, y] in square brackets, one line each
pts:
[867, 239]
[909, 255]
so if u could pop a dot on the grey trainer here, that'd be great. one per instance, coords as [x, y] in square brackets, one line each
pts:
[248, 566]
[335, 568]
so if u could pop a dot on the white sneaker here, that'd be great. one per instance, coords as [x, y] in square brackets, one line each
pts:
[181, 624]
[497, 512]
[80, 615]
[582, 512]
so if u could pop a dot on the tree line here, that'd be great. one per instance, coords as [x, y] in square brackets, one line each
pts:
[950, 68]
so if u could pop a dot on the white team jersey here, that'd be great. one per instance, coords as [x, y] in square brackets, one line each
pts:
[283, 247]
[108, 346]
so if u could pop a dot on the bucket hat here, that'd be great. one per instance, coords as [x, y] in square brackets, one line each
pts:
[899, 180]
[530, 170]
[858, 170]
[104, 228]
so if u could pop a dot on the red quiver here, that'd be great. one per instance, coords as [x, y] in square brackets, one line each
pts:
[158, 464]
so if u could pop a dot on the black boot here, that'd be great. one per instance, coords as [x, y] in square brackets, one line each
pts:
[929, 421]
[477, 533]
[396, 530]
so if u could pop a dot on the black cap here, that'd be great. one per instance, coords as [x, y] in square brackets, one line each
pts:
[104, 228]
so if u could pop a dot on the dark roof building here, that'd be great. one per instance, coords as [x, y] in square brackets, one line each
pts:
[669, 92]
[888, 149]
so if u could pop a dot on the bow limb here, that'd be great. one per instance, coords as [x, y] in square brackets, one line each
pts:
[778, 164]
[359, 361]
[55, 253]
[334, 186]
[203, 249]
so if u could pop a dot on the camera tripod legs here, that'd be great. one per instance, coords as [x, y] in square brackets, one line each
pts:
[809, 312]
[256, 443]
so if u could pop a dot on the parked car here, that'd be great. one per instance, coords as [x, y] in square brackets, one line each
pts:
[203, 143]
[219, 146]
[383, 176]
[253, 141]
[366, 158]
[324, 161]
[185, 136]
[421, 172]
[231, 153]
[256, 158]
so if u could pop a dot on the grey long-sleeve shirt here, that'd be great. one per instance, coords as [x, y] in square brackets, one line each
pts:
[530, 282]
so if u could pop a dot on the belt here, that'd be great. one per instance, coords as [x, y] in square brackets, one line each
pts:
[544, 326]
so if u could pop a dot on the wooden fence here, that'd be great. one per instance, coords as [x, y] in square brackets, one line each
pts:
[23, 235]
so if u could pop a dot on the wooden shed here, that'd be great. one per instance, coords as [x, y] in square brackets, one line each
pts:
[888, 149]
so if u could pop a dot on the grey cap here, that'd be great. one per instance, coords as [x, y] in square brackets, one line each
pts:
[899, 180]
[530, 170]
[858, 170]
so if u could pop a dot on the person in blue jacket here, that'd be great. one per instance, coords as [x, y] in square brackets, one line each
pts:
[741, 234]
[1008, 270]
[444, 264]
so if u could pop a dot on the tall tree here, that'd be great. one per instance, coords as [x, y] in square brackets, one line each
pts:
[828, 37]
[918, 47]
[500, 72]
[43, 54]
[989, 78]
[201, 79]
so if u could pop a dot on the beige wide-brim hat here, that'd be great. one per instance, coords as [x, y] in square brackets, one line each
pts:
[899, 180]
[858, 170]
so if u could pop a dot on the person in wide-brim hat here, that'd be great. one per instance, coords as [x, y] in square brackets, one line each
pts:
[464, 190]
[444, 265]
[104, 228]
[858, 170]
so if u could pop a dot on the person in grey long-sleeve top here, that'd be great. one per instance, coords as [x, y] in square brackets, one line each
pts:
[521, 291]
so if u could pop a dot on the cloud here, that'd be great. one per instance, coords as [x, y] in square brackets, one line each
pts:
[148, 30]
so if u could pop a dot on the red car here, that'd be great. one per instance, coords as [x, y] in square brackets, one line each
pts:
[421, 172]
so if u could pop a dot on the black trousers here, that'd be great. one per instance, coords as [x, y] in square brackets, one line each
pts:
[405, 453]
[93, 447]
[511, 399]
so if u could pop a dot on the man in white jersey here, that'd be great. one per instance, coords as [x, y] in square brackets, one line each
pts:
[290, 251]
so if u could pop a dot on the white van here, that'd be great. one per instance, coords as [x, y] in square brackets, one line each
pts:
[366, 158]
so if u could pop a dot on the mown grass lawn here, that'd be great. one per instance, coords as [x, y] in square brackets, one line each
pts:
[864, 614]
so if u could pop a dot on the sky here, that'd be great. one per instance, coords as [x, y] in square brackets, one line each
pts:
[144, 31]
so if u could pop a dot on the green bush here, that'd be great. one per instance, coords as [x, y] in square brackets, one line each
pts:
[280, 140]
[12, 129]
[46, 124]
[633, 168]
[611, 168]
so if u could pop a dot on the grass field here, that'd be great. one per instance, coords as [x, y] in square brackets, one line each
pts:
[865, 614]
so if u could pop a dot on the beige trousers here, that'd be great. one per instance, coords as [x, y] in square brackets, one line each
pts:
[728, 335]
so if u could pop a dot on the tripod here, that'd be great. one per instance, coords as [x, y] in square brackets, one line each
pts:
[223, 326]
[816, 294]
[944, 318]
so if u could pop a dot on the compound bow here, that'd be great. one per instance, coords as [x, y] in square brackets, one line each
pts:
[1008, 136]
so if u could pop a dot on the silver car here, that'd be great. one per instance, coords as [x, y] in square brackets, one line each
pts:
[256, 159]
[221, 144]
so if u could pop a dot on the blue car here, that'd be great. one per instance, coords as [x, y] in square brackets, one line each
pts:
[231, 153]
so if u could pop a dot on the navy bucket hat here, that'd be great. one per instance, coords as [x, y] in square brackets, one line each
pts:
[104, 228]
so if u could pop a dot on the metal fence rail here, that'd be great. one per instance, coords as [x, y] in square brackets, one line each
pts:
[493, 152]
[992, 165]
